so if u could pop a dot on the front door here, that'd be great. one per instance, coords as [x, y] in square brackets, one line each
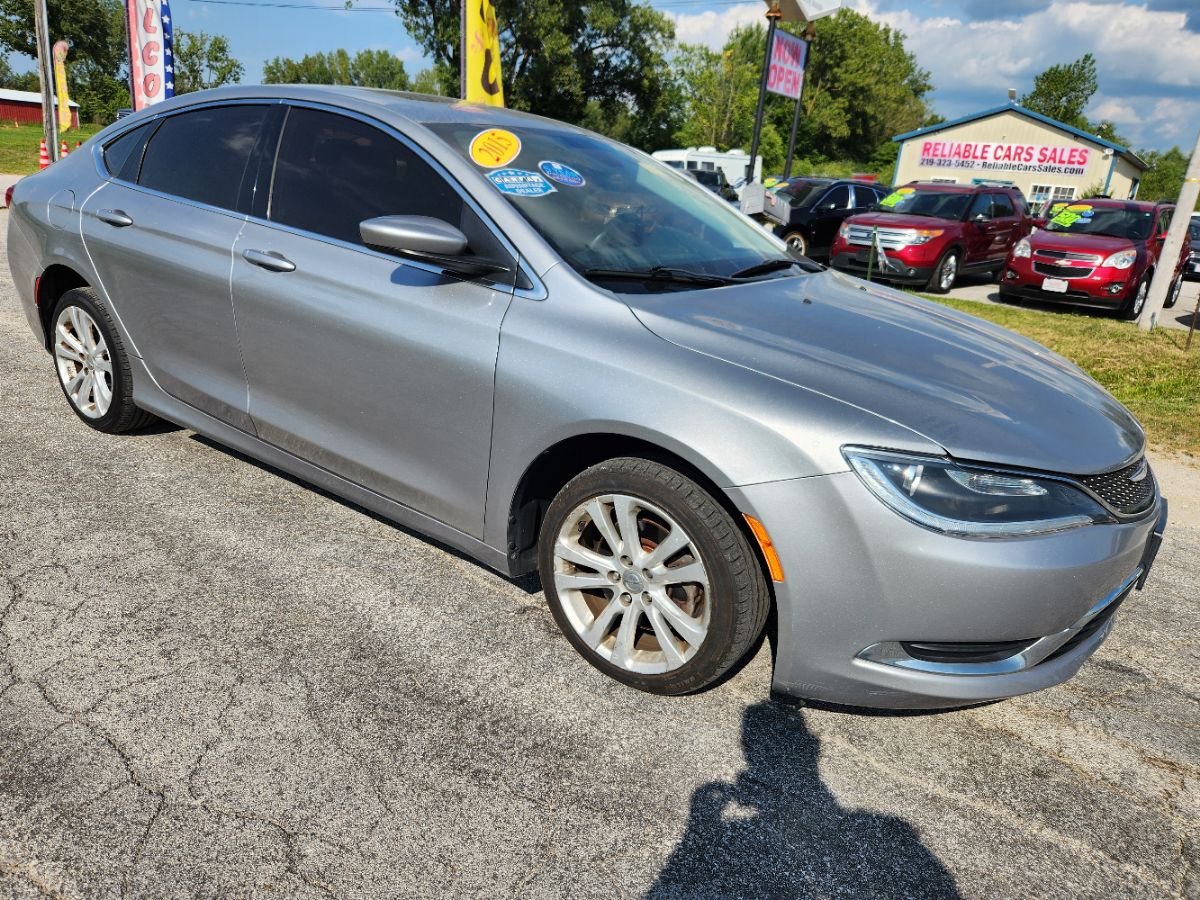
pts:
[372, 367]
[830, 212]
[161, 234]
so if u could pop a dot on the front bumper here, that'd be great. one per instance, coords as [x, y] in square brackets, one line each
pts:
[861, 583]
[1191, 269]
[855, 263]
[1102, 288]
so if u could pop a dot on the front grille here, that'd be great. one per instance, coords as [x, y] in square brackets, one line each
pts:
[1120, 492]
[958, 652]
[1065, 254]
[889, 238]
[1061, 271]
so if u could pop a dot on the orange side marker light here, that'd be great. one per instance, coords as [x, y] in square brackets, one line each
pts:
[774, 566]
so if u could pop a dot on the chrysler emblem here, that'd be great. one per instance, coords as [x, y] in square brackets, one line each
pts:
[1140, 474]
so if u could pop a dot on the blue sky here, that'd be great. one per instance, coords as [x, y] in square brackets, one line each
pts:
[1148, 51]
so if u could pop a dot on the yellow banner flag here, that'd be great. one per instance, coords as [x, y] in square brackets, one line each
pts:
[60, 85]
[481, 57]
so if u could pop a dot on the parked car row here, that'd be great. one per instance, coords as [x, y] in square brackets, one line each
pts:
[1094, 252]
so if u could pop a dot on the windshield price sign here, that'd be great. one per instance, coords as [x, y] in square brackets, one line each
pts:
[786, 74]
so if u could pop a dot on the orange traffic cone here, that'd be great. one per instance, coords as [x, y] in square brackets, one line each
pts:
[78, 144]
[62, 149]
[44, 157]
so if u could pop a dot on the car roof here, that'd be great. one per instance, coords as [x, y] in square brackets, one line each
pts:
[960, 188]
[1110, 203]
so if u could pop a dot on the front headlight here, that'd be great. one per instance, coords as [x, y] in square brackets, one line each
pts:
[1022, 250]
[972, 503]
[844, 231]
[1122, 259]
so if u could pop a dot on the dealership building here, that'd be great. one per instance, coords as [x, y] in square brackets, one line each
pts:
[1010, 144]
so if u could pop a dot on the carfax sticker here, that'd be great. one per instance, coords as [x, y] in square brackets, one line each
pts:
[520, 183]
[561, 173]
[494, 148]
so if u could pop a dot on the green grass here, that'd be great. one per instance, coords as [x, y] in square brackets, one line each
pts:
[1150, 373]
[19, 146]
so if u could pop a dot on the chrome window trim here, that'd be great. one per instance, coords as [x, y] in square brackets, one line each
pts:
[536, 292]
[892, 653]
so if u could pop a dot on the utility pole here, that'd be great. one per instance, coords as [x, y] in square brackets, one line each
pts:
[46, 76]
[773, 17]
[1177, 236]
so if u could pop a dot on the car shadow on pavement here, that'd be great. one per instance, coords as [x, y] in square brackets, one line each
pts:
[776, 830]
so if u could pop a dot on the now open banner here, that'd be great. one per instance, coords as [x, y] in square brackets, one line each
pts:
[785, 74]
[151, 54]
[1048, 159]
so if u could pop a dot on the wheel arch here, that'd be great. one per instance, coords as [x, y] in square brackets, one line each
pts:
[546, 475]
[55, 280]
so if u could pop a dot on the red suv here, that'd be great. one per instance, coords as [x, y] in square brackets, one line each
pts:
[926, 234]
[1094, 252]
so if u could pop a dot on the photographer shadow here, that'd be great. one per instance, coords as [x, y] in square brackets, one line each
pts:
[777, 832]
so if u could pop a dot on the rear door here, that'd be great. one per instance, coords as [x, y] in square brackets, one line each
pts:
[376, 368]
[161, 235]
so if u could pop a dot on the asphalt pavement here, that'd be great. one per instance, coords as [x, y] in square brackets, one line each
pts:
[217, 681]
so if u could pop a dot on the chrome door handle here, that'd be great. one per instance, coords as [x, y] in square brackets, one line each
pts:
[115, 217]
[269, 260]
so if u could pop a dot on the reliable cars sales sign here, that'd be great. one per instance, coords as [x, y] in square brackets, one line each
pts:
[1060, 160]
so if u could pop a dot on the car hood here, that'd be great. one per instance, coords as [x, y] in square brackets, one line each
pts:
[899, 220]
[1100, 244]
[981, 392]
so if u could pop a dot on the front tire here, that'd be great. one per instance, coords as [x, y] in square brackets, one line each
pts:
[1173, 294]
[92, 365]
[1133, 308]
[650, 578]
[945, 273]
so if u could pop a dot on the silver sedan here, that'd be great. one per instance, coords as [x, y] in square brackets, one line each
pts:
[547, 350]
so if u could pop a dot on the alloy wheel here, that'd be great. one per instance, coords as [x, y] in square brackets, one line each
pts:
[949, 272]
[83, 362]
[1139, 299]
[797, 243]
[632, 583]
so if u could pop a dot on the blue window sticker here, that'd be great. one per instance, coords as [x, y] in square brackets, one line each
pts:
[563, 174]
[520, 183]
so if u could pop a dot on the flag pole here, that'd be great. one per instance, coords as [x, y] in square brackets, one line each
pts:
[45, 75]
[462, 50]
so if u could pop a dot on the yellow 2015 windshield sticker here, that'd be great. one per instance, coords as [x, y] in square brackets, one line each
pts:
[895, 197]
[1065, 218]
[494, 148]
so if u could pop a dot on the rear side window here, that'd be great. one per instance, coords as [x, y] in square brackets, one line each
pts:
[202, 155]
[1002, 206]
[332, 172]
[123, 156]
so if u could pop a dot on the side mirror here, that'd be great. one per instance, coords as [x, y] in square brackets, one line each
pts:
[426, 239]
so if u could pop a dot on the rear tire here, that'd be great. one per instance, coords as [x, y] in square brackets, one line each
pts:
[92, 364]
[796, 242]
[669, 625]
[945, 273]
[1173, 293]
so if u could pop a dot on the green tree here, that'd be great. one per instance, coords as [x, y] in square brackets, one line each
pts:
[203, 61]
[430, 81]
[94, 28]
[17, 81]
[1062, 92]
[1164, 179]
[720, 93]
[603, 61]
[367, 68]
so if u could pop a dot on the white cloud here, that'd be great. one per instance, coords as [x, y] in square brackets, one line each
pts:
[712, 28]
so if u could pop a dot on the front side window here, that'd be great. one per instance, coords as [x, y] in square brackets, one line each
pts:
[201, 155]
[981, 207]
[838, 198]
[332, 172]
[603, 205]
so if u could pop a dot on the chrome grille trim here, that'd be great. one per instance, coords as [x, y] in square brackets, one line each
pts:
[1065, 254]
[889, 238]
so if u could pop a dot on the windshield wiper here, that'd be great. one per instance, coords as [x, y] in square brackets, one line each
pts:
[775, 265]
[660, 273]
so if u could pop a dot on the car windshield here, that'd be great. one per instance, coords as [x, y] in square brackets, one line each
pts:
[1129, 222]
[604, 206]
[911, 201]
